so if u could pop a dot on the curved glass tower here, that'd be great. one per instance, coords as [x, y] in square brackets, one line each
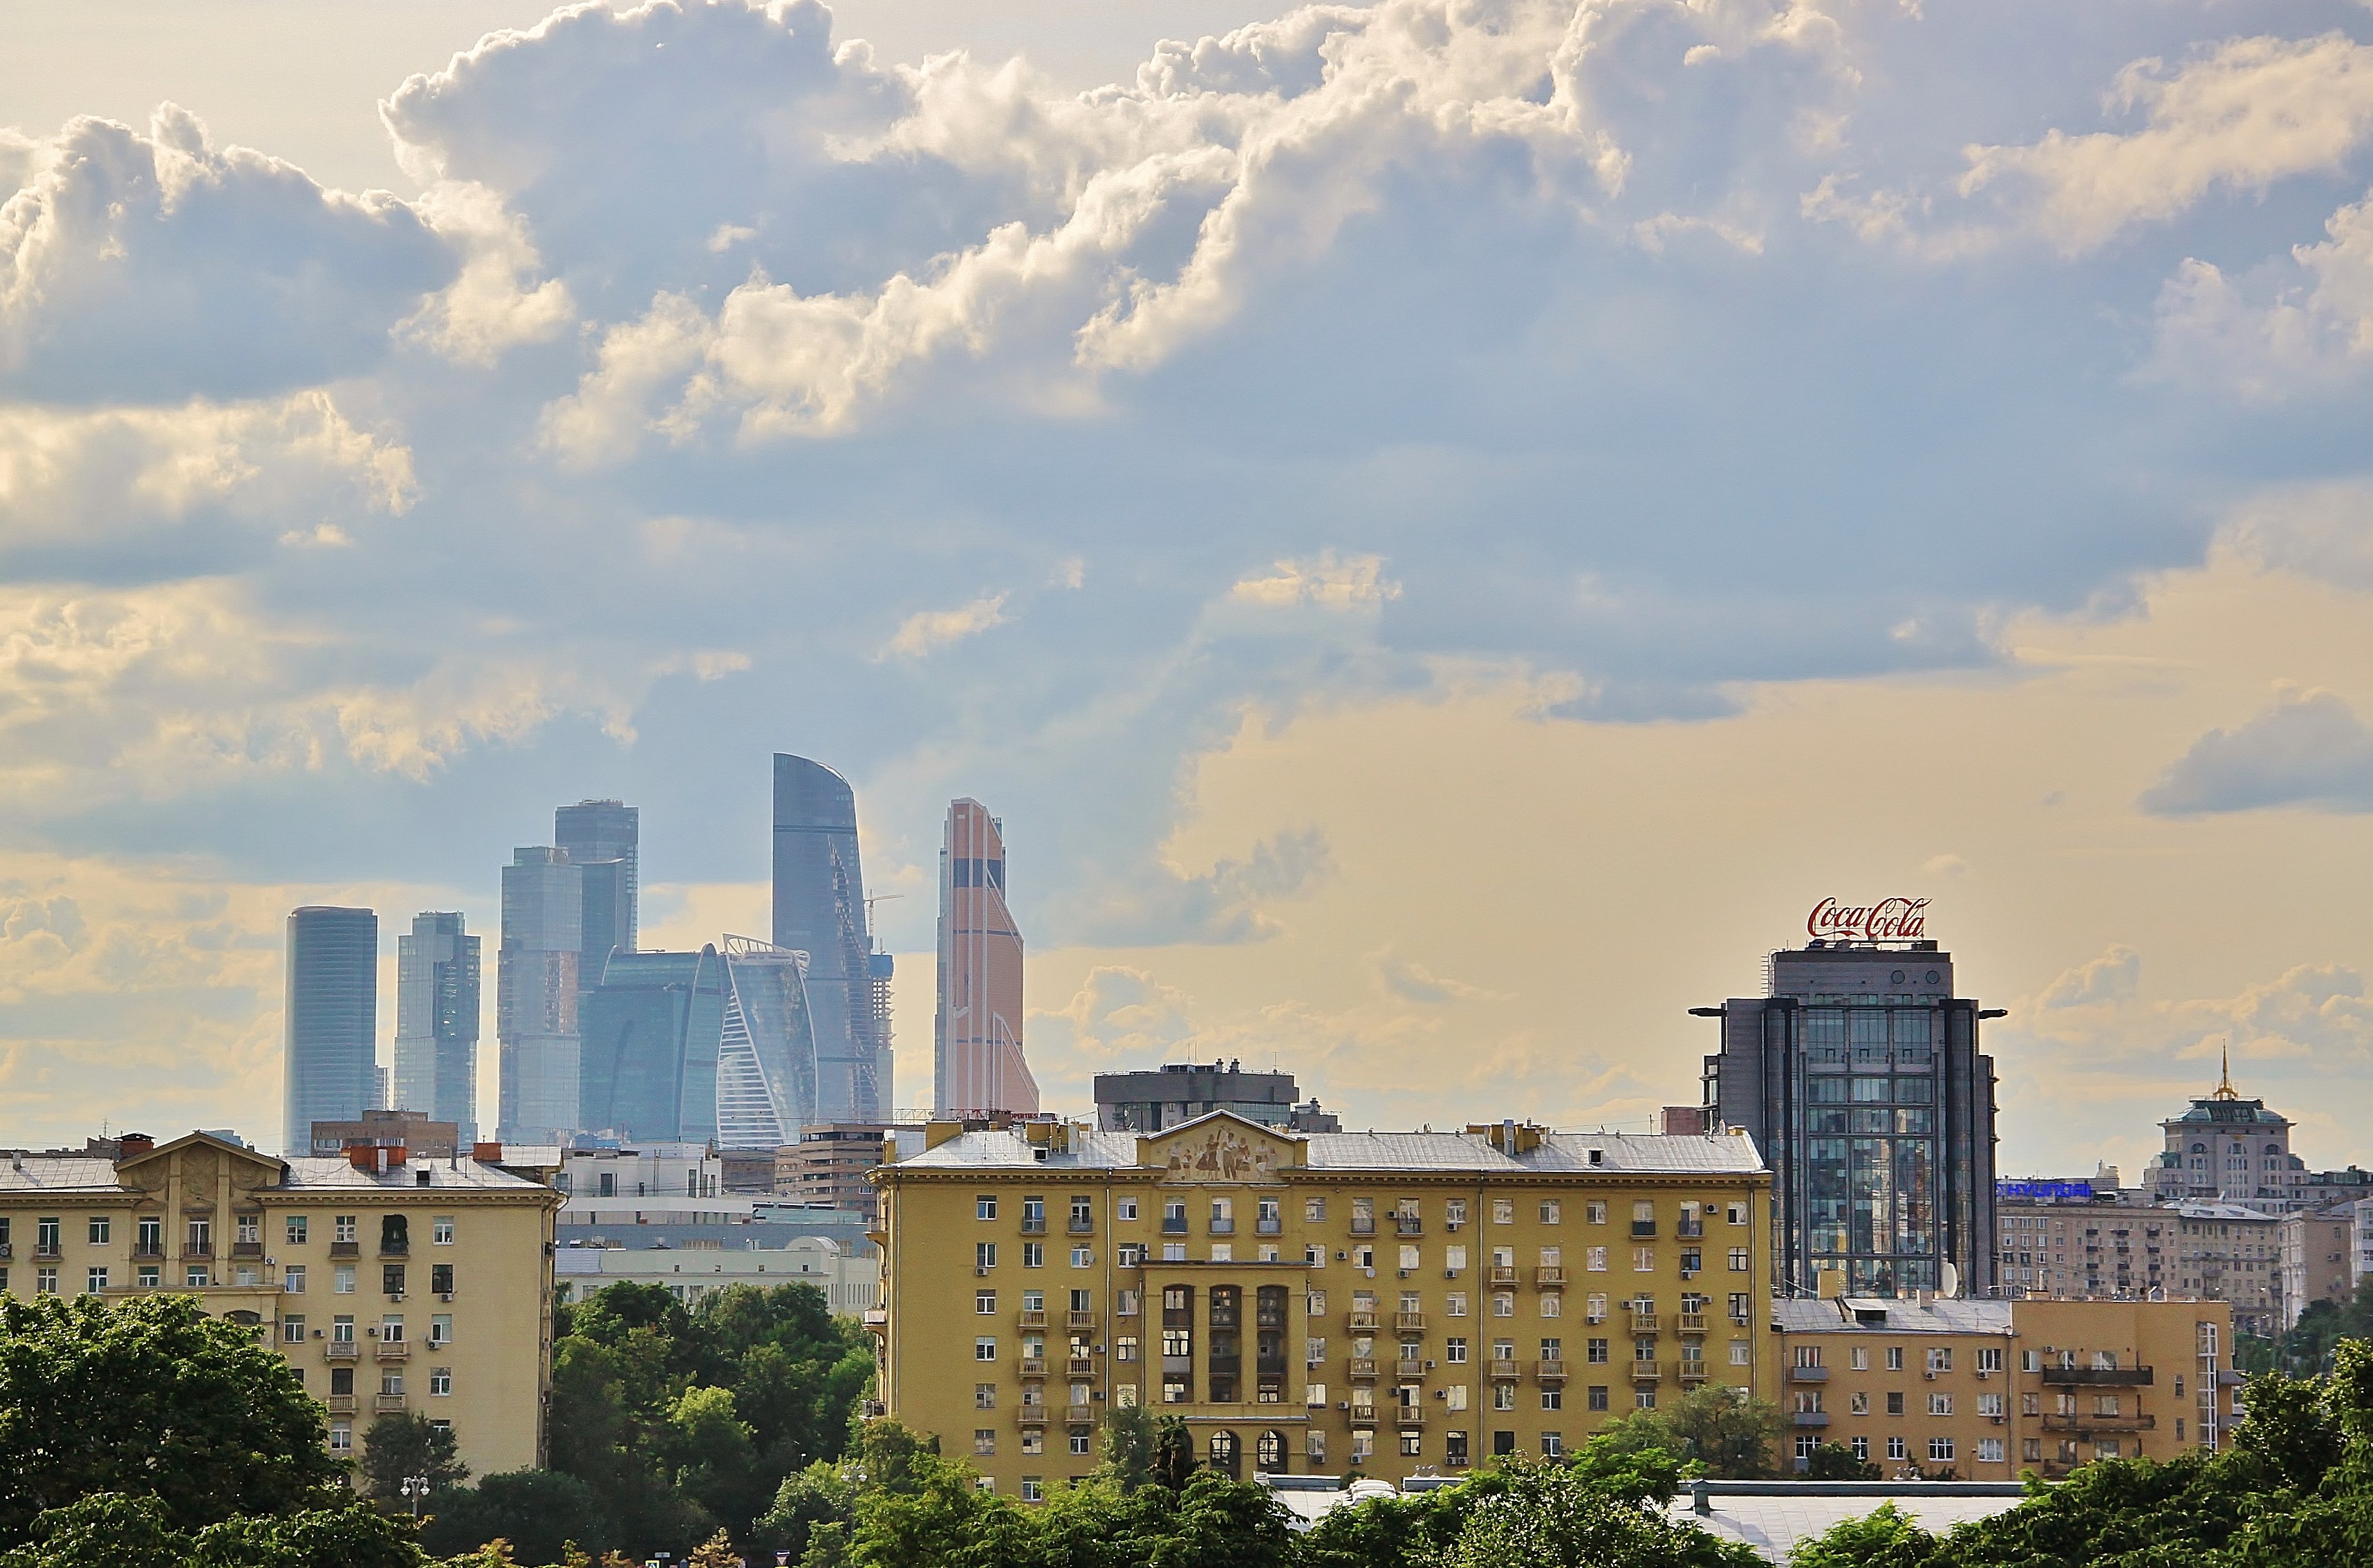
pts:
[767, 1064]
[820, 910]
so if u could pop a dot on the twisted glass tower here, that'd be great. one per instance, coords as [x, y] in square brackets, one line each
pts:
[820, 910]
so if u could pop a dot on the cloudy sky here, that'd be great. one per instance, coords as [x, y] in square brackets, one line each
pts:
[1443, 527]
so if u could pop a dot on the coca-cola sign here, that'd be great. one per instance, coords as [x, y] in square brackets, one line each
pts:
[1889, 919]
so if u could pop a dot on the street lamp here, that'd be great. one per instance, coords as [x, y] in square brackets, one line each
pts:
[415, 1488]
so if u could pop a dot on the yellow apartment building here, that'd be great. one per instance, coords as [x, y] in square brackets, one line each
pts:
[425, 1285]
[1992, 1390]
[1312, 1303]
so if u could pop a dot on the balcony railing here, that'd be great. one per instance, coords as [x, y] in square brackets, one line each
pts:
[1269, 1227]
[1646, 1372]
[387, 1404]
[1407, 1225]
[1081, 1319]
[1408, 1320]
[1081, 1225]
[2081, 1425]
[1037, 1227]
[1809, 1418]
[1693, 1372]
[2100, 1377]
[1362, 1320]
[247, 1249]
[1408, 1369]
[1029, 1319]
[1505, 1370]
[1693, 1322]
[1361, 1227]
[1409, 1415]
[1550, 1276]
[1643, 1230]
[342, 1350]
[52, 1254]
[1174, 1225]
[340, 1404]
[1809, 1374]
[1504, 1274]
[1030, 1417]
[1644, 1322]
[1223, 1227]
[388, 1249]
[346, 1249]
[1363, 1366]
[1079, 1367]
[1549, 1371]
[392, 1350]
[1033, 1366]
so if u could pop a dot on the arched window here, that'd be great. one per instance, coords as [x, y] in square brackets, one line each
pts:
[1270, 1452]
[1224, 1452]
[2273, 1148]
[2200, 1148]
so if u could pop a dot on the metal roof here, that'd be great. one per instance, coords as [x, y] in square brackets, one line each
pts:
[95, 1175]
[1952, 1315]
[1613, 1152]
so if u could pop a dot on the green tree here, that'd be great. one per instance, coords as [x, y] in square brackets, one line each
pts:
[329, 1537]
[1173, 1452]
[408, 1443]
[103, 1530]
[1128, 1443]
[711, 1455]
[151, 1396]
[1728, 1431]
[1835, 1461]
[933, 1517]
[1887, 1538]
[816, 1496]
[539, 1511]
[1553, 1517]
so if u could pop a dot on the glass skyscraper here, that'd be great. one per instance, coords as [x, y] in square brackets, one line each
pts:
[689, 1047]
[535, 995]
[767, 1062]
[436, 1022]
[820, 910]
[331, 1020]
[601, 838]
[1860, 1078]
[976, 1036]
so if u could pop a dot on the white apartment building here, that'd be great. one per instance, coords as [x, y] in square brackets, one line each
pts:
[850, 1284]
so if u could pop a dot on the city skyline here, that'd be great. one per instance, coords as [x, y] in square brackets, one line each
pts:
[1443, 541]
[978, 1065]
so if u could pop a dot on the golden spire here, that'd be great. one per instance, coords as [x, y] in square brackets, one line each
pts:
[2225, 1090]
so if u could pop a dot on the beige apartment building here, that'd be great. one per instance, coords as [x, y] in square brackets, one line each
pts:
[2316, 1247]
[1316, 1303]
[830, 1163]
[1990, 1389]
[2120, 1251]
[390, 1283]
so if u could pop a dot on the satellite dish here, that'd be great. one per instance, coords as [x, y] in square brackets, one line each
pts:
[1950, 1281]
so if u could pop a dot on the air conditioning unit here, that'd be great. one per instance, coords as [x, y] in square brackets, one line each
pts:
[1454, 1225]
[1428, 1366]
[980, 1273]
[1450, 1273]
[1929, 1375]
[1340, 1254]
[1343, 1404]
[444, 1295]
[1404, 1273]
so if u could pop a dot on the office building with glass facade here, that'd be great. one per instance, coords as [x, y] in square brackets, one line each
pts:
[976, 1037]
[1859, 1077]
[820, 910]
[332, 1019]
[698, 1048]
[535, 996]
[436, 1022]
[601, 840]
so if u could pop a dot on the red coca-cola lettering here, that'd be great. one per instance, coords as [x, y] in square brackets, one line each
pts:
[1889, 919]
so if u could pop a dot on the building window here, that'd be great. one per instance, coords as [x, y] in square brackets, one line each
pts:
[1940, 1404]
[1594, 1212]
[195, 1276]
[292, 1279]
[293, 1229]
[441, 1381]
[1453, 1350]
[1503, 1303]
[1454, 1305]
[441, 1229]
[95, 1282]
[1033, 1488]
[1079, 1444]
[1552, 1398]
[99, 1230]
[1940, 1359]
[1594, 1259]
[344, 1226]
[1894, 1403]
[1504, 1396]
[1128, 1209]
[1597, 1400]
[1895, 1358]
[1862, 1449]
[1083, 1256]
[1552, 1210]
[1858, 1358]
[985, 1206]
[1034, 1255]
[984, 1396]
[1643, 1259]
[341, 1437]
[984, 1441]
[984, 1349]
[1738, 1264]
[1940, 1450]
[1898, 1449]
[1990, 1450]
[984, 1255]
[1644, 1398]
[984, 1302]
[151, 1277]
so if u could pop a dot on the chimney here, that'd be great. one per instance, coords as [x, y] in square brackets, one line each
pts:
[134, 1145]
[486, 1154]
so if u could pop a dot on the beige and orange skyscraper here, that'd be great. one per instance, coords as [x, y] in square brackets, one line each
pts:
[977, 1039]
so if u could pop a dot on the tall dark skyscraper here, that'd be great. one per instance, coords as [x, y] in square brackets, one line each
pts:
[436, 1022]
[332, 1019]
[1860, 1077]
[602, 838]
[820, 910]
[535, 995]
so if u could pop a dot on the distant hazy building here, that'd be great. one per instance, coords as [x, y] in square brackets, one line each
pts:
[421, 1137]
[698, 1046]
[332, 1019]
[602, 840]
[535, 996]
[437, 1023]
[2225, 1149]
[827, 1168]
[977, 1037]
[1859, 1076]
[1181, 1091]
[820, 910]
[2316, 1246]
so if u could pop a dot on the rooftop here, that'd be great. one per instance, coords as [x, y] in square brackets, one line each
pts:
[1888, 1315]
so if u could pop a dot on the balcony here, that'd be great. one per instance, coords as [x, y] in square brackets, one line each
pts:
[1809, 1418]
[1506, 1371]
[1406, 1369]
[1079, 1367]
[2100, 1377]
[1407, 1225]
[1223, 1227]
[1549, 1371]
[391, 1350]
[388, 1404]
[1643, 1230]
[1550, 1276]
[1029, 1319]
[1269, 1227]
[200, 1253]
[1174, 1225]
[145, 1252]
[2081, 1425]
[1408, 1321]
[1644, 1322]
[1032, 1366]
[342, 1350]
[1504, 1274]
[346, 1249]
[1809, 1374]
[1693, 1372]
[1693, 1322]
[247, 1249]
[1691, 1230]
[1033, 1227]
[1361, 1227]
[51, 1254]
[1081, 1225]
[394, 1248]
[1081, 1319]
[340, 1404]
[1362, 1320]
[1363, 1366]
[1646, 1372]
[1409, 1415]
[1030, 1418]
